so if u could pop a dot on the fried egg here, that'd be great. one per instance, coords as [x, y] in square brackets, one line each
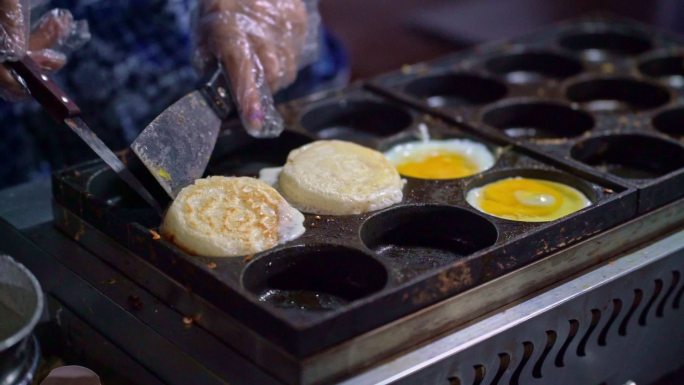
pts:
[230, 216]
[440, 159]
[527, 200]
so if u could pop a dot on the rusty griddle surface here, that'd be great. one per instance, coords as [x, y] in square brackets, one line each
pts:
[601, 96]
[387, 264]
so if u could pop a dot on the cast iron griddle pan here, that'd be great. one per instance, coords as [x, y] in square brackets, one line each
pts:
[367, 269]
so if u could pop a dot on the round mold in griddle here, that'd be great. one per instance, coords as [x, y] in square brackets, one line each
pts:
[670, 122]
[533, 67]
[239, 154]
[534, 119]
[604, 44]
[456, 89]
[418, 238]
[356, 120]
[593, 193]
[106, 186]
[314, 277]
[668, 69]
[617, 94]
[630, 156]
[472, 153]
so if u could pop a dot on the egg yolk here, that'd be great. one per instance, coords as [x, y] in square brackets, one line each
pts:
[438, 165]
[530, 200]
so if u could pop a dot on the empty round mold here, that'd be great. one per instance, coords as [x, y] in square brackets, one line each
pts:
[667, 68]
[106, 186]
[617, 94]
[538, 120]
[245, 156]
[530, 67]
[630, 156]
[323, 277]
[356, 120]
[670, 122]
[453, 90]
[421, 237]
[603, 44]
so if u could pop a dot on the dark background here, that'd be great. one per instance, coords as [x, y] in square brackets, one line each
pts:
[382, 35]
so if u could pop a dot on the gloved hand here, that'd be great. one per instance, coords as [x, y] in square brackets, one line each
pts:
[261, 44]
[52, 38]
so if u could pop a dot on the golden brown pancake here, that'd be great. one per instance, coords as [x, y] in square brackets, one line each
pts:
[230, 216]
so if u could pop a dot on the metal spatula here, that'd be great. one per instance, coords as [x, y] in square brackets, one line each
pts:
[175, 148]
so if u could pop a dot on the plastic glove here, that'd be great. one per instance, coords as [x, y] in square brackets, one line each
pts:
[14, 28]
[52, 38]
[261, 44]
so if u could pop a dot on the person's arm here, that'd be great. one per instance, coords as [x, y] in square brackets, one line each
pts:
[262, 44]
[47, 43]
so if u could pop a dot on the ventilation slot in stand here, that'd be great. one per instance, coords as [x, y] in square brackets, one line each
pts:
[661, 306]
[595, 318]
[560, 358]
[550, 341]
[603, 336]
[480, 373]
[528, 349]
[638, 295]
[644, 313]
[678, 298]
[504, 361]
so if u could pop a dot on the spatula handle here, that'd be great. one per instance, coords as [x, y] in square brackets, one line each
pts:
[216, 88]
[44, 89]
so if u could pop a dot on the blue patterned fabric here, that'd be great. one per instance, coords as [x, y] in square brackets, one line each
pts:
[136, 64]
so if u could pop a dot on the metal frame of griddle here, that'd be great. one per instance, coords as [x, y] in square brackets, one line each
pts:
[358, 353]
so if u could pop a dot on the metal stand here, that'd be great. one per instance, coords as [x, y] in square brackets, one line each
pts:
[619, 322]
